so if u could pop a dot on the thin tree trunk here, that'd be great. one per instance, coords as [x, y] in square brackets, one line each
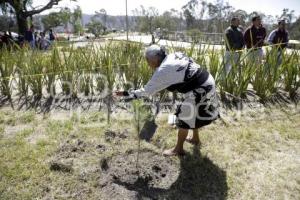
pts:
[22, 23]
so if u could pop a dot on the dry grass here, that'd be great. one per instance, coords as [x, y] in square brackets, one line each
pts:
[244, 158]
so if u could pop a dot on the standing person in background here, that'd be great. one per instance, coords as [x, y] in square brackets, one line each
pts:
[44, 43]
[51, 36]
[280, 38]
[36, 38]
[234, 44]
[254, 37]
[29, 37]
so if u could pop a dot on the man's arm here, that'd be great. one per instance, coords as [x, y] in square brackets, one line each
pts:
[247, 38]
[286, 40]
[161, 79]
[287, 37]
[271, 37]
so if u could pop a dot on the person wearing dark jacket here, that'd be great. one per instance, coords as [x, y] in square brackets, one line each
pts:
[29, 37]
[234, 44]
[280, 38]
[51, 36]
[254, 38]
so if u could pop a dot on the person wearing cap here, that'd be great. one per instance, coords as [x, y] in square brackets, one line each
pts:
[177, 72]
[279, 38]
[254, 37]
[234, 42]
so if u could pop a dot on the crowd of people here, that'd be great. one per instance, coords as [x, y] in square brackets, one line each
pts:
[36, 40]
[253, 38]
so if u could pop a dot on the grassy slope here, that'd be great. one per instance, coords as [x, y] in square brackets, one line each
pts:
[260, 158]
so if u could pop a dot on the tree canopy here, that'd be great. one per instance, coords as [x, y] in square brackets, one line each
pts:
[23, 10]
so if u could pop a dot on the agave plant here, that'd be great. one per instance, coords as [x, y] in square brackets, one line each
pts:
[7, 71]
[236, 82]
[84, 65]
[99, 83]
[21, 70]
[291, 72]
[108, 70]
[68, 74]
[200, 55]
[122, 64]
[52, 70]
[267, 76]
[214, 63]
[135, 71]
[35, 74]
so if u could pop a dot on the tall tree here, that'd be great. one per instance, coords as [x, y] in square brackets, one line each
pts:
[194, 12]
[295, 30]
[96, 27]
[103, 15]
[76, 20]
[146, 19]
[189, 18]
[243, 16]
[65, 16]
[23, 10]
[288, 15]
[52, 20]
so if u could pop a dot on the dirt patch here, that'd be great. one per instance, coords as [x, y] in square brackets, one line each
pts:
[155, 172]
[72, 148]
[116, 136]
[117, 176]
[159, 177]
[101, 148]
[63, 166]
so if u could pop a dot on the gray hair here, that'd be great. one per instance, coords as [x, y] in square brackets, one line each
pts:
[154, 51]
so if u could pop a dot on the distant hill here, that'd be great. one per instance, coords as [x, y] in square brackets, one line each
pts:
[112, 22]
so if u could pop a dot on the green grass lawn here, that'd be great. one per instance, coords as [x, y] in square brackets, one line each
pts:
[247, 157]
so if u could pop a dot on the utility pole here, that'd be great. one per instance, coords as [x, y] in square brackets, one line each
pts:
[126, 22]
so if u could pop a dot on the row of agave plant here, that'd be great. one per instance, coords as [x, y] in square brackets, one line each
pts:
[100, 69]
[263, 78]
[72, 71]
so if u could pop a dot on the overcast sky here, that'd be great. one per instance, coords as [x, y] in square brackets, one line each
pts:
[117, 7]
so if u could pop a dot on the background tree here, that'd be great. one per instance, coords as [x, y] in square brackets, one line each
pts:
[65, 16]
[102, 14]
[288, 15]
[194, 12]
[96, 27]
[145, 19]
[55, 19]
[52, 20]
[76, 20]
[190, 19]
[168, 20]
[295, 29]
[243, 16]
[23, 10]
[7, 22]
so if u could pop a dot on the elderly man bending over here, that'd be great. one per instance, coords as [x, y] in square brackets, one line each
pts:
[177, 72]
